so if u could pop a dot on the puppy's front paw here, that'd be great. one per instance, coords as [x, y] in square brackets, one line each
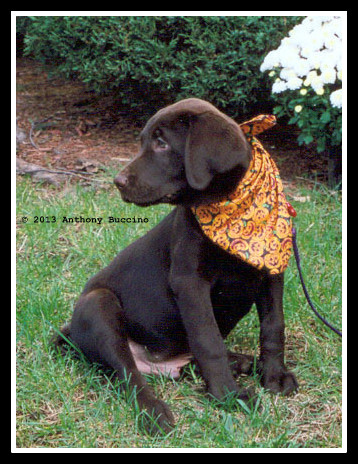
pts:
[282, 381]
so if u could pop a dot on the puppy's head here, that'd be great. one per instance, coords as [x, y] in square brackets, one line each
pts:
[190, 153]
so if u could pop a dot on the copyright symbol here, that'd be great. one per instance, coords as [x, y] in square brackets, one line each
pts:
[24, 219]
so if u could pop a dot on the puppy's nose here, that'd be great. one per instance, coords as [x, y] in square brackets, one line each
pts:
[121, 181]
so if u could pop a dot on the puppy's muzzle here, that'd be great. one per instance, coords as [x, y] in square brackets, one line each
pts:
[121, 181]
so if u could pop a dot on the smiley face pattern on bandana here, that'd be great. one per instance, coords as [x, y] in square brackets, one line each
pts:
[253, 223]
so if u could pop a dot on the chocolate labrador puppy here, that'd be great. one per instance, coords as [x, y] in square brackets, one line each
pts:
[173, 296]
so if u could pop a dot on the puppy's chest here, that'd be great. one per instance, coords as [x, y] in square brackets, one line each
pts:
[218, 266]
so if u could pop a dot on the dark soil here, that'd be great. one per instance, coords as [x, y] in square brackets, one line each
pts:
[71, 128]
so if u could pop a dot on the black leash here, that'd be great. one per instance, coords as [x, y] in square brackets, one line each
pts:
[298, 262]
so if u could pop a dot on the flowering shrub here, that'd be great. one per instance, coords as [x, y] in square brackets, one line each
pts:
[307, 73]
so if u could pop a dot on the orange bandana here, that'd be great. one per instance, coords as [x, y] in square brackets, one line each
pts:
[254, 222]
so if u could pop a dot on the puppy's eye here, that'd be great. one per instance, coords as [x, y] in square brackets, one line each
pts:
[161, 143]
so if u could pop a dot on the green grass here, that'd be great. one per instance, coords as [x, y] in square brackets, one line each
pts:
[63, 401]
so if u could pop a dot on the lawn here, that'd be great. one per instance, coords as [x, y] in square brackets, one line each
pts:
[64, 402]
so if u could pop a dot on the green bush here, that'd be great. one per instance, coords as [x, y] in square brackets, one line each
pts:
[150, 60]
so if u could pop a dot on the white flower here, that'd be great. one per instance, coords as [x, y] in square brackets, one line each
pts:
[311, 55]
[306, 51]
[310, 76]
[287, 73]
[294, 83]
[317, 83]
[329, 76]
[288, 54]
[301, 67]
[339, 64]
[271, 60]
[317, 21]
[279, 86]
[298, 33]
[333, 27]
[336, 98]
[329, 58]
[316, 39]
[308, 24]
[332, 42]
[314, 59]
[336, 26]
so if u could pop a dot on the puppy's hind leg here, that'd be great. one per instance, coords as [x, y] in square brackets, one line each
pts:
[98, 328]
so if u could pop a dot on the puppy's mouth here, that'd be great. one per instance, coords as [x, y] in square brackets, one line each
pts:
[170, 198]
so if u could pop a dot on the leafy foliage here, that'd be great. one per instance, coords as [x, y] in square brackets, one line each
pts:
[319, 122]
[150, 61]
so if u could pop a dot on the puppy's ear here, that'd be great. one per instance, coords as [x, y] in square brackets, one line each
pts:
[215, 144]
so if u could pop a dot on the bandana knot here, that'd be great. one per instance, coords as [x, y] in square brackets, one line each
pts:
[254, 222]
